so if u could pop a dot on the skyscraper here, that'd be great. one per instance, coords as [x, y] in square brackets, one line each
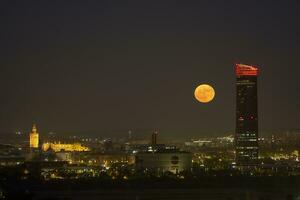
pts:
[154, 138]
[34, 138]
[246, 135]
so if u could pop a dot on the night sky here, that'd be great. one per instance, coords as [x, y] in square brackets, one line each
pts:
[99, 65]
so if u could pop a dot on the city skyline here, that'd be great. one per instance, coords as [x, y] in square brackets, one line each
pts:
[151, 99]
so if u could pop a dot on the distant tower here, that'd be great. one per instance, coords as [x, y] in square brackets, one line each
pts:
[34, 138]
[246, 134]
[129, 134]
[154, 138]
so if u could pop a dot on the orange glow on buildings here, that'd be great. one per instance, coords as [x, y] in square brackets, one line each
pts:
[34, 138]
[64, 147]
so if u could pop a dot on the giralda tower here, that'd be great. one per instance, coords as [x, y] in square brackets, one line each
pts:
[34, 138]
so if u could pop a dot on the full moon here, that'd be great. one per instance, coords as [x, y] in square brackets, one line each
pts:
[204, 93]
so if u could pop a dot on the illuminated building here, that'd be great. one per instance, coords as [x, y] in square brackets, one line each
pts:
[107, 160]
[11, 160]
[159, 158]
[34, 138]
[64, 147]
[246, 136]
[162, 161]
[64, 156]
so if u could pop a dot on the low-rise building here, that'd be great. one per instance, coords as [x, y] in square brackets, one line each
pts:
[64, 147]
[162, 161]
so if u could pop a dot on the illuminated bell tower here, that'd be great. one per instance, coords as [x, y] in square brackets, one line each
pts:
[34, 138]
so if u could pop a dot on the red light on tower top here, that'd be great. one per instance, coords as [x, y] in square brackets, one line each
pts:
[245, 70]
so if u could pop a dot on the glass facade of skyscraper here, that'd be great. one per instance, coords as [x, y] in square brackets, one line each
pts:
[246, 136]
